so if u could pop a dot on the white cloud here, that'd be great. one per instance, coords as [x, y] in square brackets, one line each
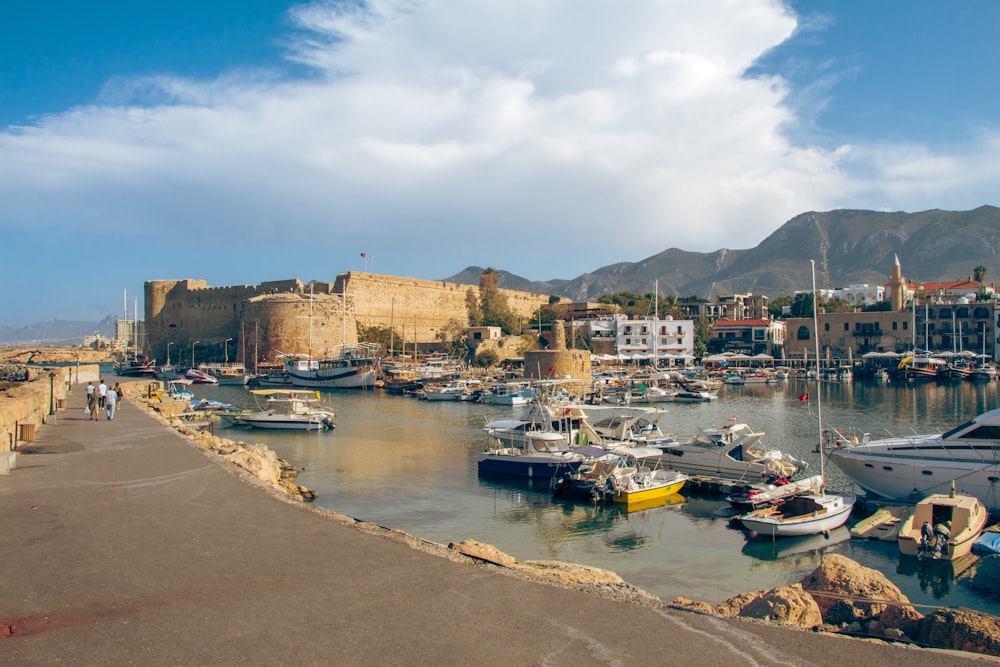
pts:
[546, 138]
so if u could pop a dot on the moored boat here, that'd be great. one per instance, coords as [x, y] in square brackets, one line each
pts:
[199, 376]
[538, 454]
[286, 409]
[135, 364]
[732, 451]
[351, 367]
[942, 527]
[912, 467]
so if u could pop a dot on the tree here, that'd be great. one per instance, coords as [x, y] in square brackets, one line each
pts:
[384, 336]
[979, 273]
[776, 306]
[703, 334]
[487, 358]
[493, 306]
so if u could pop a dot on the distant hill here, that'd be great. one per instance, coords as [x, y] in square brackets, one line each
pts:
[57, 332]
[849, 246]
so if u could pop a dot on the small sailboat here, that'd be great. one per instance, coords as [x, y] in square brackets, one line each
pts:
[812, 513]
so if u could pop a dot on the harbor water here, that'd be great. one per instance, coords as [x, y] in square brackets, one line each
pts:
[410, 465]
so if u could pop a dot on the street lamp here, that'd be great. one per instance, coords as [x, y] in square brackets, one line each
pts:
[168, 352]
[225, 350]
[193, 343]
[52, 405]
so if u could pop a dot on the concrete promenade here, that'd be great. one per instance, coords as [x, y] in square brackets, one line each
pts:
[123, 543]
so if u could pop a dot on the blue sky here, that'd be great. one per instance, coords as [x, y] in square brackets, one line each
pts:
[239, 142]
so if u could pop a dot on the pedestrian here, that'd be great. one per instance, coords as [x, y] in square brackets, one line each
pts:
[111, 402]
[102, 390]
[90, 393]
[121, 394]
[92, 405]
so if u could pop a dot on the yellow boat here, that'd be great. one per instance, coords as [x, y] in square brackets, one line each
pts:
[645, 486]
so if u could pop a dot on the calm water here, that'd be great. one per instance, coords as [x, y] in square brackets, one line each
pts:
[411, 465]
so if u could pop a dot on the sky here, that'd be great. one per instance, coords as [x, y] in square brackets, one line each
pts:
[238, 142]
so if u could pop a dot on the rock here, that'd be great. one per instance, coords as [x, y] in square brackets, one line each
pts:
[960, 630]
[481, 551]
[259, 461]
[693, 605]
[849, 584]
[734, 605]
[787, 605]
[572, 573]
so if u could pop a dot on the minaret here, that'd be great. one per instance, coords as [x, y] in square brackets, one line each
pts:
[896, 286]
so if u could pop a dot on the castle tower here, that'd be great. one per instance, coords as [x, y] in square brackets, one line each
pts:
[896, 287]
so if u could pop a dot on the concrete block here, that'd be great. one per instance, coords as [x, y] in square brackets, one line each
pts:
[8, 461]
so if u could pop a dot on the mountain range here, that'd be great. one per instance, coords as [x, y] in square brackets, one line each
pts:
[57, 332]
[851, 247]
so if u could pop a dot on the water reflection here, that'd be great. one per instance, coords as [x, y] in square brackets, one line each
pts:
[811, 546]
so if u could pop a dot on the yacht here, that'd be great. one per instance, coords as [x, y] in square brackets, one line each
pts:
[913, 467]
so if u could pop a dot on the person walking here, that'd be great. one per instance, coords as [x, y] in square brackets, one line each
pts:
[121, 394]
[102, 390]
[92, 405]
[111, 402]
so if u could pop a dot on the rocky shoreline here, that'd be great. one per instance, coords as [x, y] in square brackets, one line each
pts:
[840, 596]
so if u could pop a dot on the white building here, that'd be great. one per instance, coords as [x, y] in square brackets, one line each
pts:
[860, 295]
[668, 341]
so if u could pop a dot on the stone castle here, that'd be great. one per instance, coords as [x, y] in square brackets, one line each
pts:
[189, 317]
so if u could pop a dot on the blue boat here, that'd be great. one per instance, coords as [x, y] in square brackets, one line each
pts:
[536, 454]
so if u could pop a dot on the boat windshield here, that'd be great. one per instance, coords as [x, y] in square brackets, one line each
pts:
[952, 432]
[983, 432]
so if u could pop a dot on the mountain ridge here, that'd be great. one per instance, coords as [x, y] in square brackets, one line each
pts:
[850, 246]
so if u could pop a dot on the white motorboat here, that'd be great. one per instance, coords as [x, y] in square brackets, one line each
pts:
[732, 451]
[351, 367]
[287, 409]
[456, 390]
[911, 468]
[507, 394]
[200, 377]
[227, 373]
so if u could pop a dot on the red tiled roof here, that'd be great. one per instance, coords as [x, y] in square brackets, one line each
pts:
[948, 285]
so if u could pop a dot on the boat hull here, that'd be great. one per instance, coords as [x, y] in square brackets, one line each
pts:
[910, 480]
[649, 495]
[836, 510]
[527, 465]
[267, 422]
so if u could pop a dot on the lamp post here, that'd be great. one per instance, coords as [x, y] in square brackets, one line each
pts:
[52, 405]
[193, 343]
[225, 350]
[168, 352]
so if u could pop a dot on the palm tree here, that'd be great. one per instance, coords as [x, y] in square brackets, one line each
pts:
[978, 273]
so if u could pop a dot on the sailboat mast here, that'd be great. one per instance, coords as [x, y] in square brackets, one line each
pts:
[819, 383]
[656, 321]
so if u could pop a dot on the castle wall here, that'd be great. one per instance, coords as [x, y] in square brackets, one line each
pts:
[424, 306]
